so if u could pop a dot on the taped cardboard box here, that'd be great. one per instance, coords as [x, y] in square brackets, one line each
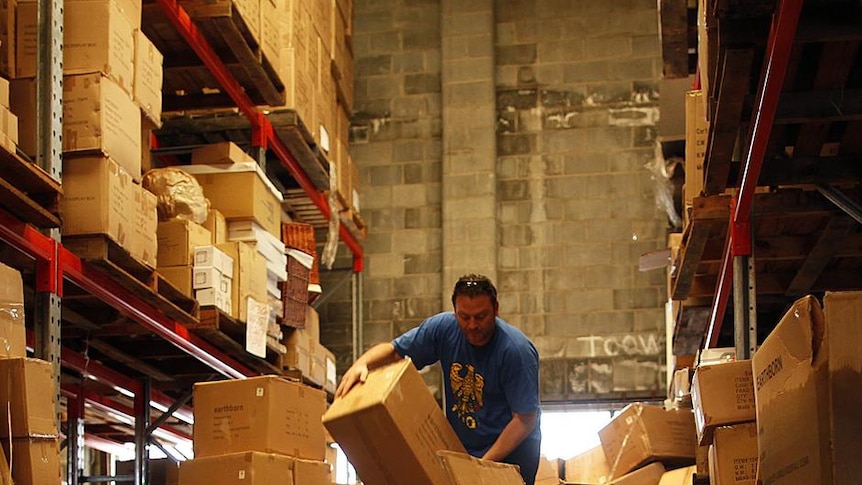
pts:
[149, 75]
[27, 398]
[588, 468]
[266, 414]
[35, 461]
[178, 239]
[722, 394]
[680, 476]
[641, 434]
[806, 378]
[734, 455]
[250, 468]
[13, 334]
[464, 469]
[249, 276]
[391, 428]
[648, 475]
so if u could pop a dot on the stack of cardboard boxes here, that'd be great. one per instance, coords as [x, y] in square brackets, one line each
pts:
[28, 414]
[257, 431]
[8, 120]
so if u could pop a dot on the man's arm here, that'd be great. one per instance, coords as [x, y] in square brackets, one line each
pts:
[513, 434]
[377, 356]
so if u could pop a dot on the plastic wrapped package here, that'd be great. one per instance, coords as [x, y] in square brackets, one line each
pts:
[179, 194]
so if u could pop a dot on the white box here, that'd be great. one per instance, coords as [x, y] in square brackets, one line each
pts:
[205, 277]
[213, 297]
[213, 256]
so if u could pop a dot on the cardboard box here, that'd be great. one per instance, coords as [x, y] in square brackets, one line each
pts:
[248, 468]
[217, 226]
[10, 126]
[321, 19]
[265, 414]
[734, 455]
[98, 197]
[13, 334]
[391, 428]
[247, 10]
[702, 460]
[331, 381]
[722, 394]
[144, 243]
[548, 472]
[257, 201]
[97, 37]
[807, 375]
[180, 277]
[22, 101]
[220, 153]
[641, 434]
[161, 472]
[149, 75]
[27, 398]
[312, 323]
[215, 297]
[249, 277]
[212, 256]
[35, 461]
[589, 468]
[298, 355]
[5, 472]
[206, 277]
[8, 10]
[317, 373]
[696, 133]
[464, 469]
[178, 239]
[648, 475]
[270, 31]
[98, 116]
[680, 476]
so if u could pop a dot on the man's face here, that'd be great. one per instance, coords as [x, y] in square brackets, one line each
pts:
[476, 318]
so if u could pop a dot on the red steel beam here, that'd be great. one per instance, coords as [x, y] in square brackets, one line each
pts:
[263, 134]
[782, 31]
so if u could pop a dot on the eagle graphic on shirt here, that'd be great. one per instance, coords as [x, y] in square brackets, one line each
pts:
[467, 391]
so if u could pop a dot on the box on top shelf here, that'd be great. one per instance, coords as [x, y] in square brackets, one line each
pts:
[321, 19]
[734, 455]
[144, 243]
[97, 198]
[98, 116]
[249, 277]
[22, 101]
[178, 239]
[97, 37]
[391, 428]
[270, 32]
[641, 434]
[27, 398]
[806, 383]
[266, 414]
[215, 257]
[696, 132]
[13, 334]
[180, 277]
[147, 86]
[219, 153]
[722, 394]
[680, 476]
[464, 469]
[217, 226]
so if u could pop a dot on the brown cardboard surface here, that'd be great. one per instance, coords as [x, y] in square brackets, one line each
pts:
[806, 377]
[97, 199]
[218, 153]
[255, 201]
[696, 130]
[35, 461]
[99, 116]
[391, 428]
[588, 468]
[680, 476]
[179, 276]
[310, 472]
[217, 226]
[548, 472]
[7, 37]
[249, 276]
[270, 31]
[27, 398]
[22, 101]
[640, 434]
[147, 87]
[464, 469]
[734, 455]
[317, 373]
[298, 354]
[648, 475]
[161, 472]
[5, 472]
[722, 394]
[248, 468]
[144, 243]
[178, 239]
[13, 334]
[265, 414]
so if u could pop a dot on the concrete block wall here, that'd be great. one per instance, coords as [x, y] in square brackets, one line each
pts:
[511, 137]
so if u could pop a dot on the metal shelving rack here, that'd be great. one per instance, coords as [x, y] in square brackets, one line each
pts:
[57, 266]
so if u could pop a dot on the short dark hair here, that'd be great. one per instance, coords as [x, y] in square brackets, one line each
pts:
[473, 285]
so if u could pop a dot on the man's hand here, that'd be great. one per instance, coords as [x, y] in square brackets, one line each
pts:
[513, 434]
[357, 374]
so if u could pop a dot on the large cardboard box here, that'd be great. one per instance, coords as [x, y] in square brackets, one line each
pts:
[734, 455]
[265, 414]
[27, 398]
[8, 10]
[270, 31]
[98, 116]
[13, 335]
[391, 428]
[144, 243]
[249, 276]
[641, 434]
[464, 469]
[696, 132]
[588, 468]
[217, 226]
[807, 375]
[149, 73]
[722, 394]
[22, 101]
[178, 239]
[298, 355]
[180, 277]
[35, 461]
[97, 37]
[680, 476]
[648, 475]
[5, 472]
[248, 468]
[98, 198]
[219, 153]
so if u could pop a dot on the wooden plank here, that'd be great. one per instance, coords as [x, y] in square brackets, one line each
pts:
[691, 252]
[23, 207]
[831, 240]
[28, 177]
[689, 329]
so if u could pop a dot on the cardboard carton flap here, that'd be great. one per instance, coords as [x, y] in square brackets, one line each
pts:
[464, 469]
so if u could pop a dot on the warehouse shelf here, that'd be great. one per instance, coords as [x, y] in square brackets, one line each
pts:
[791, 199]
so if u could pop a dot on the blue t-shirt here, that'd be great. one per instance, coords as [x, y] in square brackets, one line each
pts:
[483, 385]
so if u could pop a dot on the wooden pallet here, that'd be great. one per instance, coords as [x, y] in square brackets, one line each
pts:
[190, 84]
[99, 250]
[28, 192]
[228, 335]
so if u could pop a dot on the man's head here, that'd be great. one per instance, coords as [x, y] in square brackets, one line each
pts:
[475, 302]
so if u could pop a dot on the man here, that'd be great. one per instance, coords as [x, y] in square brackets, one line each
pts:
[490, 373]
